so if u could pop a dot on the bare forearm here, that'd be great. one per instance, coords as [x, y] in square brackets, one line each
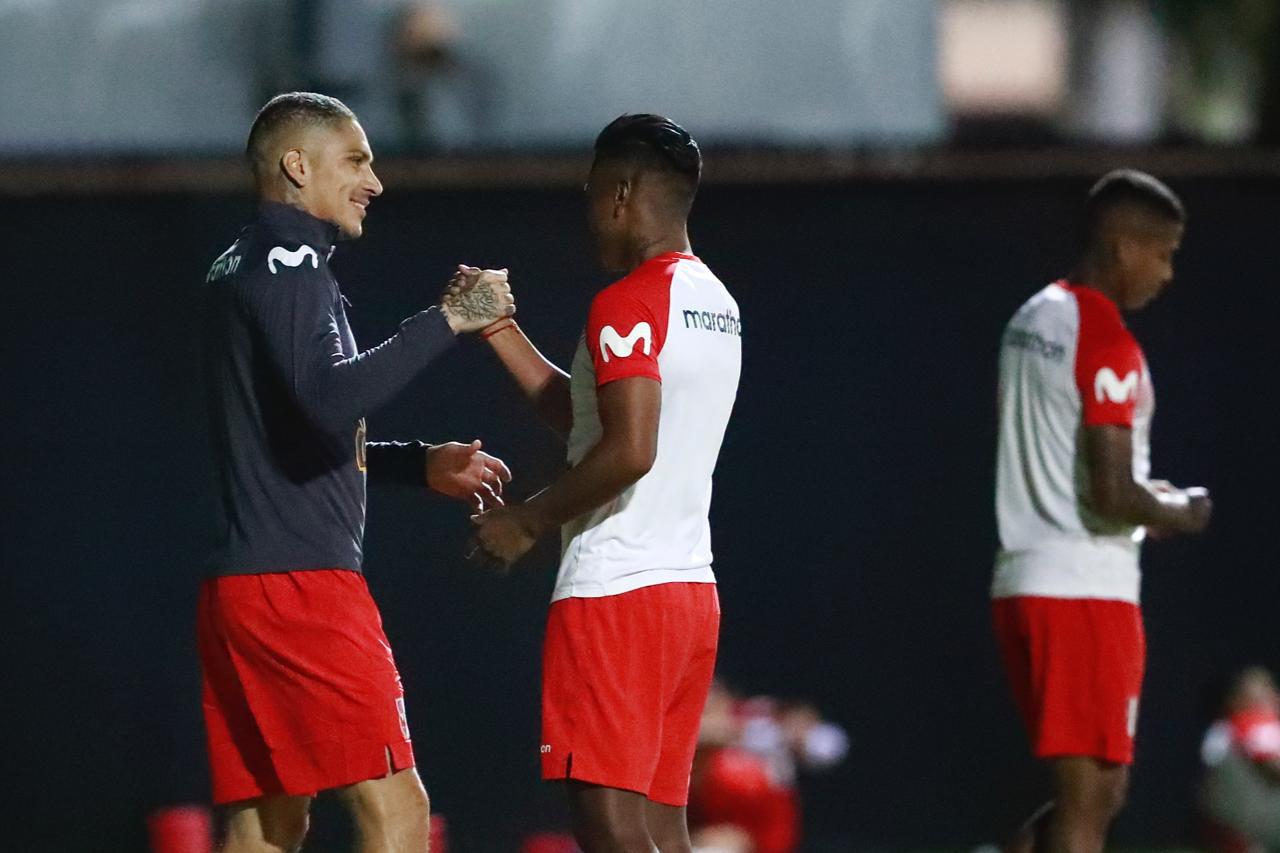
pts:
[546, 385]
[603, 474]
[1131, 503]
[629, 409]
[1115, 495]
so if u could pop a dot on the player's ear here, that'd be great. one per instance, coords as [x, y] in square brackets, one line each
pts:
[1125, 248]
[294, 166]
[621, 195]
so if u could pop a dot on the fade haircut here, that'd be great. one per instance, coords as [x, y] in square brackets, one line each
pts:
[1130, 189]
[656, 144]
[288, 110]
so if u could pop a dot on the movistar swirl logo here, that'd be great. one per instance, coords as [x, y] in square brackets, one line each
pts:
[291, 259]
[621, 346]
[1108, 386]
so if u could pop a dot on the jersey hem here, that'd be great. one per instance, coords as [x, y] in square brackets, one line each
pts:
[1085, 569]
[630, 583]
[230, 571]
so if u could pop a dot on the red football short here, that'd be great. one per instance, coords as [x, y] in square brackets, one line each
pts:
[624, 682]
[1075, 666]
[300, 691]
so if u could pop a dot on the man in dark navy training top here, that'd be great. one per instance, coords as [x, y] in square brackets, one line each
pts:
[301, 693]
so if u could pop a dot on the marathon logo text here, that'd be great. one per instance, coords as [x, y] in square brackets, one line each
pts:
[1029, 341]
[706, 320]
[223, 267]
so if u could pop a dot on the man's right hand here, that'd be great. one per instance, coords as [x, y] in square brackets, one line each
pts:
[1199, 508]
[476, 298]
[1194, 510]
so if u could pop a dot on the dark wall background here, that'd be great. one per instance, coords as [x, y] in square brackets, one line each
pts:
[853, 520]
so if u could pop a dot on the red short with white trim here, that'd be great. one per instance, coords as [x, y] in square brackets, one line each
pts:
[624, 681]
[301, 693]
[1076, 667]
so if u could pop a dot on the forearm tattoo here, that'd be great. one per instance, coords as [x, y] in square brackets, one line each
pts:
[477, 303]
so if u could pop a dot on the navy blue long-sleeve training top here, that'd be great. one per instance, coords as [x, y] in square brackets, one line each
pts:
[288, 391]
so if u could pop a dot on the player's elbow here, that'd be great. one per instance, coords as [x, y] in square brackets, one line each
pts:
[1111, 497]
[329, 399]
[635, 459]
[333, 420]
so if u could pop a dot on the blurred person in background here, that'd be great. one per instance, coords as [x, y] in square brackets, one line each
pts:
[424, 40]
[1240, 795]
[399, 63]
[1074, 501]
[301, 692]
[743, 795]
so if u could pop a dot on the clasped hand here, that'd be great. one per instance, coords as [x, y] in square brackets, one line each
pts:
[503, 535]
[475, 298]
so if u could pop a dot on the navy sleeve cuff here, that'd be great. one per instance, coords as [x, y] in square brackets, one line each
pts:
[401, 462]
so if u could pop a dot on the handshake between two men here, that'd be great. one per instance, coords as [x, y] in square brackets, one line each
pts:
[480, 301]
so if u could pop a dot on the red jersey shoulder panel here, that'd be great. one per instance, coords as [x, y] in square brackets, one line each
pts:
[627, 322]
[1109, 365]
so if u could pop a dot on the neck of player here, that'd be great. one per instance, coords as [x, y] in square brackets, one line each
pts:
[650, 246]
[1104, 278]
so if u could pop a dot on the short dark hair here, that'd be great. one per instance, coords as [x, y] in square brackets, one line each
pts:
[288, 109]
[1132, 189]
[654, 143]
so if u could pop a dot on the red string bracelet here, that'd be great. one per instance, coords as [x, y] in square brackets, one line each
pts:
[489, 332]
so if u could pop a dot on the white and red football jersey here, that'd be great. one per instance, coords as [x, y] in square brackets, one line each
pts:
[1067, 362]
[1253, 732]
[1257, 731]
[671, 320]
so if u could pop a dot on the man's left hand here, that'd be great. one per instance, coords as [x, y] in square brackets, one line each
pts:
[465, 472]
[504, 535]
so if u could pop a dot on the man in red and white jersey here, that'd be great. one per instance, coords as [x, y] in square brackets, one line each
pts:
[1074, 501]
[634, 622]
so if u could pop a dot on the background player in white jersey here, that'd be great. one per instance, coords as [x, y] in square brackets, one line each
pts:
[1074, 501]
[634, 621]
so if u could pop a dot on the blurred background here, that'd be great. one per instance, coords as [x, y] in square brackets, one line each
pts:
[886, 181]
[183, 76]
